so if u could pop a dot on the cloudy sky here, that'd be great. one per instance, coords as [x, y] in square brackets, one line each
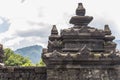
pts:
[28, 22]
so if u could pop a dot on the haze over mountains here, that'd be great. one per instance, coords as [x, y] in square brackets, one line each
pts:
[32, 52]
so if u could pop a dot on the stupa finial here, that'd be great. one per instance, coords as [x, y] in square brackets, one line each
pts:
[107, 30]
[80, 19]
[54, 30]
[80, 10]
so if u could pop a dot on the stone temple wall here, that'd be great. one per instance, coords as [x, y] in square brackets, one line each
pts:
[84, 73]
[61, 73]
[23, 73]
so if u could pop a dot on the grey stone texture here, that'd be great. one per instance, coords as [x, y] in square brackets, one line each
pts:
[1, 54]
[84, 73]
[23, 73]
[82, 52]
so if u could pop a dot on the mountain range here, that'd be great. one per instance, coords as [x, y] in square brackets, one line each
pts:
[32, 52]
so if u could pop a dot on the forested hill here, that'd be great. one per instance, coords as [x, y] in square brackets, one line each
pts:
[32, 52]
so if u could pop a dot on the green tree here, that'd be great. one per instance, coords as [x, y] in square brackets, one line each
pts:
[12, 59]
[41, 63]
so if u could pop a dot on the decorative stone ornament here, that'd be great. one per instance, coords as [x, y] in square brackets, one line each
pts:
[82, 52]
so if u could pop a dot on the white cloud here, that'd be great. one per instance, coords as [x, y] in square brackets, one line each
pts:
[31, 16]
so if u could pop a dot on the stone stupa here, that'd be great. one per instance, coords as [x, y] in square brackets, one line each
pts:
[81, 52]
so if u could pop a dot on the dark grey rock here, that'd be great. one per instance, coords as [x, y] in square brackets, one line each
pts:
[81, 52]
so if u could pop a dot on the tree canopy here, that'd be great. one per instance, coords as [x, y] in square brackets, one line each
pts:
[41, 63]
[12, 59]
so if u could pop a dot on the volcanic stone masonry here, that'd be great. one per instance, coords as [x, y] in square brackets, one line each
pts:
[23, 73]
[82, 52]
[77, 53]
